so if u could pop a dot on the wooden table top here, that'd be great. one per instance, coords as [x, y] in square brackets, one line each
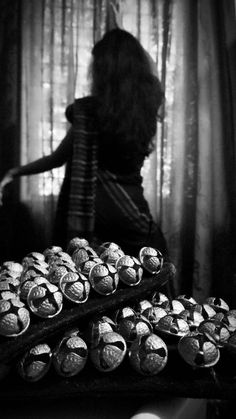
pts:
[176, 379]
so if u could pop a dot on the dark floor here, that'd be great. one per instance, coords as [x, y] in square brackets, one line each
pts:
[97, 409]
[71, 409]
[218, 409]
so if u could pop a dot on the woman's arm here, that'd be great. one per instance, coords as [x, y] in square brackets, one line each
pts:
[56, 159]
[115, 19]
[115, 15]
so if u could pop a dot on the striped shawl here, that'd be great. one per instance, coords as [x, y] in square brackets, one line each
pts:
[83, 170]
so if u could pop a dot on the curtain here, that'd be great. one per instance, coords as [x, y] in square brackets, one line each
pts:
[185, 179]
[13, 214]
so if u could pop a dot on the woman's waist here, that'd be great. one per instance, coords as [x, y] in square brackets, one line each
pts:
[125, 178]
[126, 187]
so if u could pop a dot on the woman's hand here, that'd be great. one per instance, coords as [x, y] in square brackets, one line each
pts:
[9, 176]
[117, 10]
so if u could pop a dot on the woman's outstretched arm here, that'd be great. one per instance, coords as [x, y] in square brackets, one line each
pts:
[56, 159]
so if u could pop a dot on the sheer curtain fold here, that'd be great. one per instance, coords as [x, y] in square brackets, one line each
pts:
[212, 207]
[185, 178]
[180, 141]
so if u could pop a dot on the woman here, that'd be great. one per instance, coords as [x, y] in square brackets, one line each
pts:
[111, 134]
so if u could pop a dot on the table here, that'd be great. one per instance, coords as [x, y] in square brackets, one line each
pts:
[177, 379]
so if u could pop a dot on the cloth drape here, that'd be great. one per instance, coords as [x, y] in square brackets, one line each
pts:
[185, 179]
[78, 201]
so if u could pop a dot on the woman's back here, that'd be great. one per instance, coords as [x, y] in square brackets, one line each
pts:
[113, 154]
[128, 97]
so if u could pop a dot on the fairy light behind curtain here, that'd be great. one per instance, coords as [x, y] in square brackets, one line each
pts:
[184, 178]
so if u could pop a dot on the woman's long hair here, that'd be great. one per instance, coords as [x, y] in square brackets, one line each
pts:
[127, 92]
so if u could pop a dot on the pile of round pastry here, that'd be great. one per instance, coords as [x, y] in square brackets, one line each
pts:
[104, 343]
[139, 335]
[41, 283]
[200, 330]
